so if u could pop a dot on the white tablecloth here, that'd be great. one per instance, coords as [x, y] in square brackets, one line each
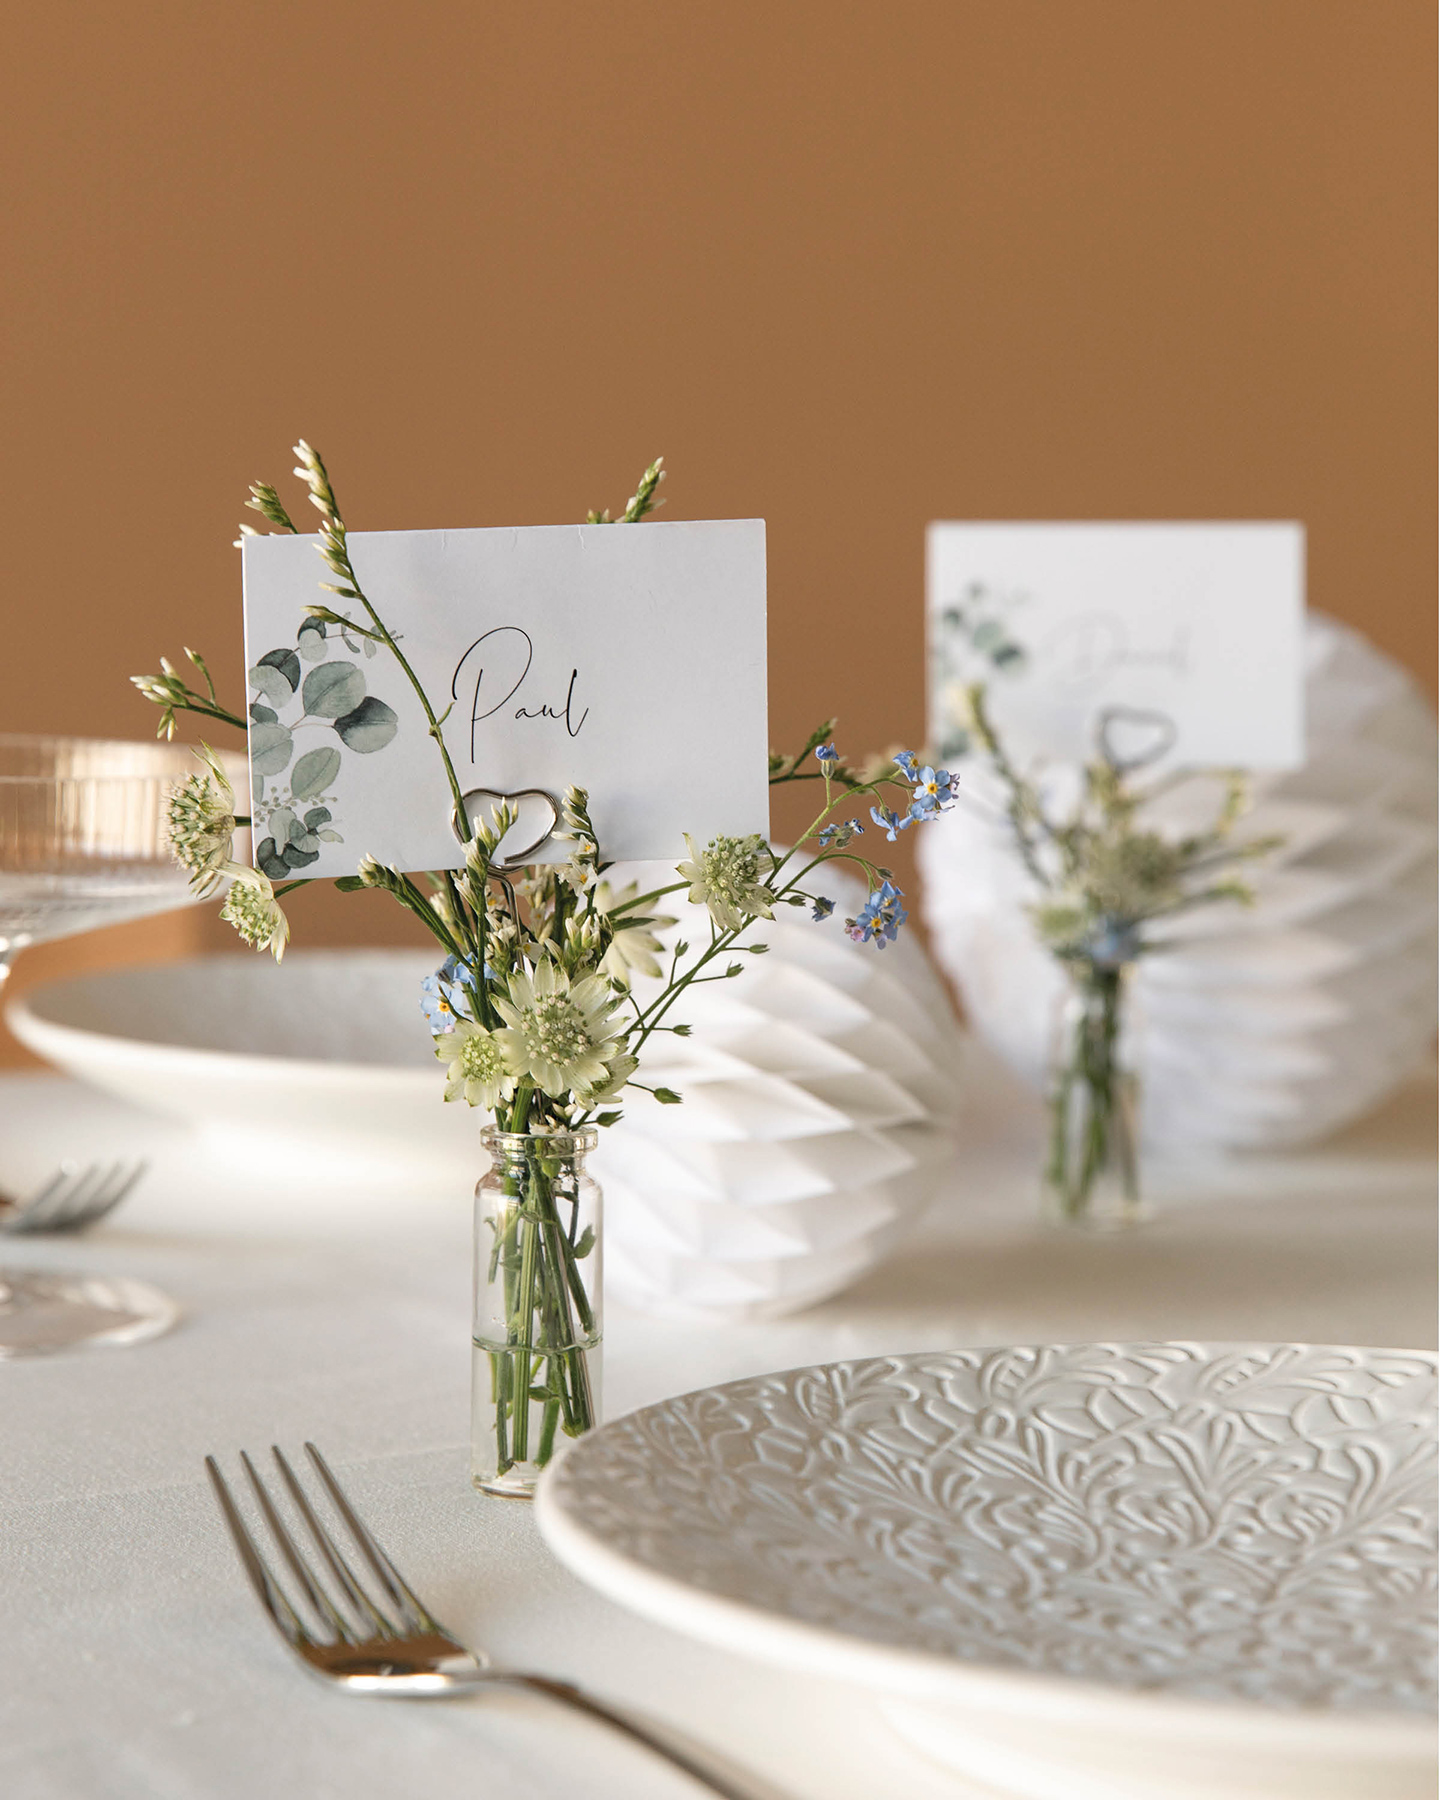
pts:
[134, 1662]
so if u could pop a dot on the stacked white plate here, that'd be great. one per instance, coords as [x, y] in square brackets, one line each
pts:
[326, 1054]
[1257, 1026]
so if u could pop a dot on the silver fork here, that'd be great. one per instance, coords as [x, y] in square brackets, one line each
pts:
[392, 1644]
[73, 1199]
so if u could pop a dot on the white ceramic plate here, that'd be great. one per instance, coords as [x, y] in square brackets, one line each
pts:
[1104, 1572]
[328, 1050]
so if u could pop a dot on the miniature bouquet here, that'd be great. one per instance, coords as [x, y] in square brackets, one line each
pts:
[531, 1007]
[1103, 880]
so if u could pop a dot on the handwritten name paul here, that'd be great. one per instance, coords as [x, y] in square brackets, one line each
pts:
[492, 672]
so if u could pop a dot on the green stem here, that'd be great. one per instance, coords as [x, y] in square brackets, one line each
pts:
[521, 1328]
[644, 899]
[547, 1431]
[207, 712]
[347, 571]
[500, 1389]
[1089, 1083]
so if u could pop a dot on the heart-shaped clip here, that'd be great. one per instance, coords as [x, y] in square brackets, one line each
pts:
[1133, 737]
[516, 858]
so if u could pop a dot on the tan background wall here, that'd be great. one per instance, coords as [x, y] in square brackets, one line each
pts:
[848, 267]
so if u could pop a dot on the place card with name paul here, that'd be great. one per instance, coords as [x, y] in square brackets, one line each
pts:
[625, 659]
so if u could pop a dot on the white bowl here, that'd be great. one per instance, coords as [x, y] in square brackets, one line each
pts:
[328, 1051]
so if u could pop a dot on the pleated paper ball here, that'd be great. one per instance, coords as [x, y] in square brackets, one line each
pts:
[818, 1093]
[1255, 1026]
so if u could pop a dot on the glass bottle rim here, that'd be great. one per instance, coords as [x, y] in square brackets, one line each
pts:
[559, 1143]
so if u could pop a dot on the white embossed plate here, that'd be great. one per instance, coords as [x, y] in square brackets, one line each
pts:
[1204, 1570]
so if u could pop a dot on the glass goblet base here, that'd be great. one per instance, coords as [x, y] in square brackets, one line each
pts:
[43, 1311]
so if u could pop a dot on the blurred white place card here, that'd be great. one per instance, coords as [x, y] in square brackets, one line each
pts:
[626, 659]
[1186, 639]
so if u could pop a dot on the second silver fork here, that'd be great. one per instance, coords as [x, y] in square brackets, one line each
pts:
[371, 1634]
[73, 1199]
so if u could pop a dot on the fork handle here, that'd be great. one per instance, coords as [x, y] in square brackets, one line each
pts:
[717, 1780]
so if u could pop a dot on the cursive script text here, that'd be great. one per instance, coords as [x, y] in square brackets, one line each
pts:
[492, 672]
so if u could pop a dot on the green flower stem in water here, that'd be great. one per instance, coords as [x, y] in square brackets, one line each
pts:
[536, 1322]
[1092, 1126]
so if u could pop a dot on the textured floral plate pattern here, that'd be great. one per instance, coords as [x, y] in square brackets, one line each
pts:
[1221, 1522]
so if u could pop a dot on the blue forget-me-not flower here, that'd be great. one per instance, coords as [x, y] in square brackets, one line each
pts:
[880, 919]
[889, 821]
[442, 995]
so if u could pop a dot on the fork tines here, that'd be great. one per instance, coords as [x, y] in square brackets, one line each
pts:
[336, 1606]
[74, 1198]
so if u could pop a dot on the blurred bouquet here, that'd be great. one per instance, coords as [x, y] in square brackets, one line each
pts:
[1101, 880]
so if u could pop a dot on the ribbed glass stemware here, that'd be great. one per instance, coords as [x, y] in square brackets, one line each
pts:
[82, 844]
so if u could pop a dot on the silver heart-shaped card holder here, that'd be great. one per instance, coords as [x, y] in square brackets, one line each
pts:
[534, 836]
[1134, 737]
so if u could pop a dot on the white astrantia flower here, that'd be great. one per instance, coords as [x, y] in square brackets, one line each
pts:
[251, 907]
[478, 1070]
[201, 823]
[559, 1032]
[633, 945]
[618, 1071]
[728, 877]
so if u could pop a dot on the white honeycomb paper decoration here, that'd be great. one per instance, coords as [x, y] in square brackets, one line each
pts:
[1255, 1027]
[820, 1094]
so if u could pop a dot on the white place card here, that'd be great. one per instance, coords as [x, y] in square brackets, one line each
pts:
[1188, 637]
[627, 659]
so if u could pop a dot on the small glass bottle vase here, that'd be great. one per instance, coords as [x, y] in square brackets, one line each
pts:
[535, 1370]
[1092, 1158]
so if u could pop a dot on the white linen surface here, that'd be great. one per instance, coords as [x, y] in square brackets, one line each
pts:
[134, 1661]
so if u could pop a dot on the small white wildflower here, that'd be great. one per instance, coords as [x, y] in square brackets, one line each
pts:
[251, 907]
[728, 877]
[559, 1033]
[201, 824]
[617, 1072]
[478, 1070]
[1133, 875]
[633, 945]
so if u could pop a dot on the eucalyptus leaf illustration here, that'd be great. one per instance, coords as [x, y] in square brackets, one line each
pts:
[369, 727]
[311, 642]
[291, 688]
[286, 661]
[276, 675]
[270, 748]
[267, 860]
[313, 773]
[332, 690]
[271, 683]
[295, 856]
